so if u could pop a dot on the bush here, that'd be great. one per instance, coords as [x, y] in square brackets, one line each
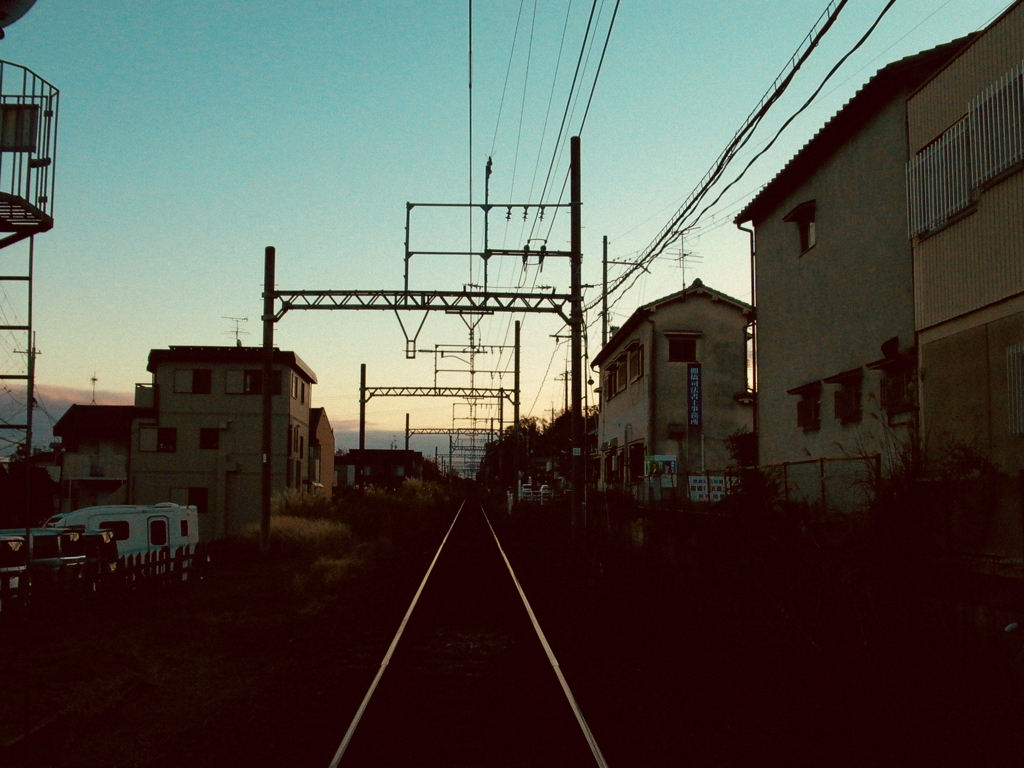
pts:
[308, 538]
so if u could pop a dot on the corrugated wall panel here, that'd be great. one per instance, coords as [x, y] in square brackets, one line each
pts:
[974, 262]
[944, 100]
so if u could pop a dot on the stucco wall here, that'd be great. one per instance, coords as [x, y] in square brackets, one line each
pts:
[232, 472]
[721, 349]
[829, 310]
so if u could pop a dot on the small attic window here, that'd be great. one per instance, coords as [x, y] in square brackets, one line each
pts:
[803, 216]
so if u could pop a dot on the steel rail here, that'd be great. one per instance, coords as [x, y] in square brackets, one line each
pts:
[391, 650]
[595, 750]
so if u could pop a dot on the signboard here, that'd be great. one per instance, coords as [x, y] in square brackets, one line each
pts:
[659, 465]
[661, 469]
[693, 392]
[698, 488]
[717, 489]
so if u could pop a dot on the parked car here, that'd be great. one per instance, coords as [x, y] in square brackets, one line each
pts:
[13, 565]
[100, 550]
[53, 556]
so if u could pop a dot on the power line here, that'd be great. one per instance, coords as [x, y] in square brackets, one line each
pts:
[739, 140]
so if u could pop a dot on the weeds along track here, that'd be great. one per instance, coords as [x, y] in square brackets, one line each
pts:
[469, 678]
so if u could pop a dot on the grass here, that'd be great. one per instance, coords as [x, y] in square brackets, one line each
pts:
[228, 667]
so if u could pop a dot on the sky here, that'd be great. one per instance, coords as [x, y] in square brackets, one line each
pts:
[192, 136]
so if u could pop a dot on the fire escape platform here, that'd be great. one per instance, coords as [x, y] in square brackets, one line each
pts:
[22, 219]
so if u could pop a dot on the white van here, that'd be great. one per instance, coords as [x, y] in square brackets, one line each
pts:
[138, 530]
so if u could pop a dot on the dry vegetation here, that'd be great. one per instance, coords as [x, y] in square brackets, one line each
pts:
[230, 666]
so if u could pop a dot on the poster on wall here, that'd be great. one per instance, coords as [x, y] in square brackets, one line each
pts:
[698, 488]
[693, 392]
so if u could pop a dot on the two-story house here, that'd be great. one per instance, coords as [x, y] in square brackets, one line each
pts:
[673, 383]
[95, 448]
[200, 439]
[834, 287]
[966, 207]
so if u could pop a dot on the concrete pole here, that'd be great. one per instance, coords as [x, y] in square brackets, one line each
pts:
[362, 424]
[515, 418]
[576, 327]
[269, 259]
[407, 431]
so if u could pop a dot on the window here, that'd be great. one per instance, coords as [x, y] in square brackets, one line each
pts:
[847, 398]
[18, 127]
[804, 217]
[195, 381]
[939, 180]
[209, 438]
[897, 389]
[636, 363]
[682, 349]
[184, 529]
[166, 439]
[250, 382]
[314, 463]
[996, 127]
[808, 407]
[158, 533]
[609, 383]
[295, 387]
[302, 392]
[121, 529]
[158, 439]
[620, 375]
[637, 454]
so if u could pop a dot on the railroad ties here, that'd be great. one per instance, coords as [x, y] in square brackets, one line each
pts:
[469, 678]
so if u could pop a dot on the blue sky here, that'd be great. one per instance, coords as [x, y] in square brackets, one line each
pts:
[192, 136]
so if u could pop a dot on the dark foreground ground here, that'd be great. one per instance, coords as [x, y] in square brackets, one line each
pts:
[675, 660]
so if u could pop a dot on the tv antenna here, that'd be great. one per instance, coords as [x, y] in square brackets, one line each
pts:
[238, 332]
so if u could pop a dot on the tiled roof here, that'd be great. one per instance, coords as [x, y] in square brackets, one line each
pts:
[899, 77]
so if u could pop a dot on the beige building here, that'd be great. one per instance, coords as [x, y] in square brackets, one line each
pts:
[834, 288]
[95, 445]
[320, 478]
[673, 384]
[966, 205]
[199, 438]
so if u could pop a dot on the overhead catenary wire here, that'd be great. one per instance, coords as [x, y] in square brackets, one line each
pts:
[781, 83]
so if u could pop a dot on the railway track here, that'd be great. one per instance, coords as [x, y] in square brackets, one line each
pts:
[469, 678]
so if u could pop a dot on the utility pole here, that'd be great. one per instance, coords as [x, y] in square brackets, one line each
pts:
[516, 432]
[362, 424]
[407, 431]
[269, 259]
[576, 325]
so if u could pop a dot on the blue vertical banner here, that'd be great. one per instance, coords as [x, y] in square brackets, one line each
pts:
[693, 388]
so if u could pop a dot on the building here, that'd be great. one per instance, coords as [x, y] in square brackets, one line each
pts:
[199, 438]
[96, 446]
[320, 478]
[834, 288]
[966, 227]
[673, 388]
[380, 467]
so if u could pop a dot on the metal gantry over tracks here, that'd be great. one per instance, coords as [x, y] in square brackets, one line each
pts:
[278, 302]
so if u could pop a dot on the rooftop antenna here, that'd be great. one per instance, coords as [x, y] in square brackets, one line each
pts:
[685, 256]
[238, 333]
[94, 380]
